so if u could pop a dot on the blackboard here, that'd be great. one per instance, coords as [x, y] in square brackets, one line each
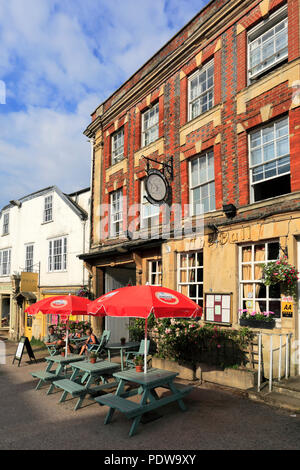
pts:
[24, 341]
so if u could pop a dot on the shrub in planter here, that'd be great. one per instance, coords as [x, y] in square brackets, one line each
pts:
[139, 362]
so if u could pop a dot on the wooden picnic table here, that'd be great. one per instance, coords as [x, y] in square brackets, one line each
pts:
[121, 347]
[146, 387]
[90, 373]
[49, 374]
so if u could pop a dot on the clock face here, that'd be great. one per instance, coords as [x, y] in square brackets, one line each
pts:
[156, 186]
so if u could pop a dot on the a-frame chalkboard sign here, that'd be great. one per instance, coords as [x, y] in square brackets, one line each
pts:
[24, 341]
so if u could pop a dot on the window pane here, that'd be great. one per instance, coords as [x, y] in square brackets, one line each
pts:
[283, 147]
[269, 153]
[256, 157]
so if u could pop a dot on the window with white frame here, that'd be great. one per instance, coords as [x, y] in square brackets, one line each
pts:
[5, 223]
[117, 144]
[201, 90]
[190, 275]
[149, 212]
[48, 208]
[270, 160]
[5, 258]
[155, 272]
[254, 295]
[150, 120]
[57, 259]
[268, 44]
[29, 258]
[116, 213]
[202, 184]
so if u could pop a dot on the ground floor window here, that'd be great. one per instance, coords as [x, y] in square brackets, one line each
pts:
[190, 275]
[254, 295]
[155, 273]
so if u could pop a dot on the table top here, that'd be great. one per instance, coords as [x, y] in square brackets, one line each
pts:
[73, 340]
[65, 359]
[99, 366]
[151, 377]
[132, 344]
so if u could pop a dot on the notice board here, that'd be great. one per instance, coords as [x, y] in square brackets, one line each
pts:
[218, 307]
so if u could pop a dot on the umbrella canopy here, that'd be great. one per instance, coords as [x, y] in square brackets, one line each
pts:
[141, 301]
[63, 305]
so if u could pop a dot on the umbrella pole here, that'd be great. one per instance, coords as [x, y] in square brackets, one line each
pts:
[67, 337]
[145, 350]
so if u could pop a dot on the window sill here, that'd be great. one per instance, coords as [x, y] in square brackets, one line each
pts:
[116, 163]
[48, 222]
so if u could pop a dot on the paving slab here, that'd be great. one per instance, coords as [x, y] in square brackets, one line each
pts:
[215, 419]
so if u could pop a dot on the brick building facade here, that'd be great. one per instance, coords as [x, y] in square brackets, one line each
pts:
[222, 99]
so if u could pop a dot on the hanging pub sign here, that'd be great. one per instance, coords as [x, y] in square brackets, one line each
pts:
[287, 307]
[158, 189]
[24, 342]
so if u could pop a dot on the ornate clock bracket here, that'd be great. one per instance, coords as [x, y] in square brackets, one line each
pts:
[167, 168]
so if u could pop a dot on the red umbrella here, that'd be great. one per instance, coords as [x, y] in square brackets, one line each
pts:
[141, 301]
[63, 305]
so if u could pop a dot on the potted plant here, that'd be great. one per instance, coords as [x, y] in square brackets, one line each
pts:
[139, 361]
[257, 320]
[123, 341]
[93, 357]
[283, 273]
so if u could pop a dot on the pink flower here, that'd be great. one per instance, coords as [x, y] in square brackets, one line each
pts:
[218, 346]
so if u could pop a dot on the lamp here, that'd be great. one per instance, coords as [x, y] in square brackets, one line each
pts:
[230, 211]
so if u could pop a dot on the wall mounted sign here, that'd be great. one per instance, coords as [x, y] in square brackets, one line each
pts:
[287, 307]
[157, 187]
[218, 308]
[29, 282]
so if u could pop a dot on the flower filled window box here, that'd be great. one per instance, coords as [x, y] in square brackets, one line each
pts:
[257, 320]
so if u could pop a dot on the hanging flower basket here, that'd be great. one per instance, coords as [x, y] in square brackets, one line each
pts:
[257, 320]
[283, 273]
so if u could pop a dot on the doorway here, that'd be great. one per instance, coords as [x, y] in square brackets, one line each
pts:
[115, 278]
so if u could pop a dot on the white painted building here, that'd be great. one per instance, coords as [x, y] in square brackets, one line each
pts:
[41, 233]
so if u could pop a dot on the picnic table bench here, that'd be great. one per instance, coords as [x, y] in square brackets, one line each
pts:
[91, 373]
[49, 375]
[146, 387]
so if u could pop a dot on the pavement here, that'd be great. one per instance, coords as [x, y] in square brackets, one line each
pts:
[216, 419]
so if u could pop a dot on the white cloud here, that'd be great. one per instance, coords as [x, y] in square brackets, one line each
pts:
[59, 60]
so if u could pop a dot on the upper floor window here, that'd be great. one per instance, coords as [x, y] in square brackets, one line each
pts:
[5, 223]
[116, 213]
[29, 258]
[48, 208]
[201, 90]
[117, 143]
[5, 257]
[150, 119]
[202, 184]
[268, 44]
[270, 160]
[57, 258]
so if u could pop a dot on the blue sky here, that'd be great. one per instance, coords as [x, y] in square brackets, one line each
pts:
[58, 61]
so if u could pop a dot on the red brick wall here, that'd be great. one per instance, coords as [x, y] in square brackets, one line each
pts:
[228, 141]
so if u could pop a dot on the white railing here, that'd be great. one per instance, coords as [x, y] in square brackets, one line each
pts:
[285, 346]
